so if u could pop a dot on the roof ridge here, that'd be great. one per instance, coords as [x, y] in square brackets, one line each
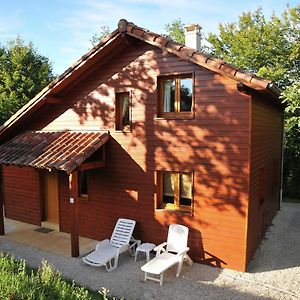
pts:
[124, 27]
[193, 55]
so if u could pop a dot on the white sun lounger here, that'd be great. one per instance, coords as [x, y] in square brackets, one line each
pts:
[107, 251]
[168, 254]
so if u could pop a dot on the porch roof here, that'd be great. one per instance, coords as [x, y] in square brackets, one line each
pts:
[61, 150]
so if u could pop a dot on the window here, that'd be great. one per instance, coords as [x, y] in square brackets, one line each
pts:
[83, 184]
[175, 190]
[175, 96]
[123, 117]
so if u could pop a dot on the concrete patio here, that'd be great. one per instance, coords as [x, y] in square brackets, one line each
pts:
[49, 240]
[274, 273]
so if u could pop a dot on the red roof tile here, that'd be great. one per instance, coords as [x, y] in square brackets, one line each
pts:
[62, 150]
[128, 28]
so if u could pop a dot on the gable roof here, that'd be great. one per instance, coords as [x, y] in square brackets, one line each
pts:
[61, 150]
[127, 28]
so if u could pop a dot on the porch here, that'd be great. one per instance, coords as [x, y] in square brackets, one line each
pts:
[45, 239]
[50, 152]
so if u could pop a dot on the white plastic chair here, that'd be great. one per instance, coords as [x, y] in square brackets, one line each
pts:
[107, 251]
[169, 253]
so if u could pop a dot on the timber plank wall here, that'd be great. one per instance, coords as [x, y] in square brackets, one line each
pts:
[214, 145]
[22, 194]
[264, 196]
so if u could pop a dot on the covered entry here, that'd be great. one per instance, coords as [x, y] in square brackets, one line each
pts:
[53, 152]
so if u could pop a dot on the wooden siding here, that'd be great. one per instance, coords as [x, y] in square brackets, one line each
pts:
[264, 196]
[214, 145]
[22, 194]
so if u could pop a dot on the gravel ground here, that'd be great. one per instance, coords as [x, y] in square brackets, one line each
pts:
[274, 272]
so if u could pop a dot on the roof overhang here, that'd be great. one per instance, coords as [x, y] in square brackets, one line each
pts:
[61, 150]
[115, 41]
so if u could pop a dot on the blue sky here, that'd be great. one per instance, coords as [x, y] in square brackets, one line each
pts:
[62, 29]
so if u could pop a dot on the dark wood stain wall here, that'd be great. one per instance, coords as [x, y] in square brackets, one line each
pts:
[22, 194]
[214, 145]
[264, 196]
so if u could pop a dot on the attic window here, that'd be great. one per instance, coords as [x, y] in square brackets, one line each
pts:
[123, 116]
[175, 96]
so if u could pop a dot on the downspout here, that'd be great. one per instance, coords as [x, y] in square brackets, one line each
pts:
[282, 158]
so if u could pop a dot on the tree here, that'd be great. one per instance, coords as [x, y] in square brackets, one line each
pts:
[175, 31]
[23, 73]
[271, 49]
[97, 37]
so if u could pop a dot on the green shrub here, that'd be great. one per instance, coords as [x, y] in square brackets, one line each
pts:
[19, 282]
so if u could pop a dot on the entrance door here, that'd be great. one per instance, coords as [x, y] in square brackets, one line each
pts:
[51, 207]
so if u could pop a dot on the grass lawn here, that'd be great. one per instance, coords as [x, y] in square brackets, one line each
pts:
[17, 282]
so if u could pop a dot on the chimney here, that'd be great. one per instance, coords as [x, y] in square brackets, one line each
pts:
[193, 36]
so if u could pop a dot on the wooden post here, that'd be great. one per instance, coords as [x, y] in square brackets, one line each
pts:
[2, 230]
[73, 191]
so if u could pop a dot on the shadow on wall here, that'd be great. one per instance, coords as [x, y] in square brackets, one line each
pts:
[214, 145]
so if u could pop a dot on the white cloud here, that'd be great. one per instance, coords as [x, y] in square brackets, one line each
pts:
[68, 50]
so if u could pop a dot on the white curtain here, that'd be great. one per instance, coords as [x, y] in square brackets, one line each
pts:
[125, 105]
[186, 186]
[167, 95]
[168, 179]
[125, 108]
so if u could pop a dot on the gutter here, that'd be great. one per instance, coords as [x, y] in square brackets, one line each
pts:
[274, 89]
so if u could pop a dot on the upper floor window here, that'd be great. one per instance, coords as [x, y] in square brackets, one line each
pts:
[175, 96]
[123, 117]
[175, 190]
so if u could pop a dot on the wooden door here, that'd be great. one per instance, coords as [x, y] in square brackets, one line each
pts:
[51, 207]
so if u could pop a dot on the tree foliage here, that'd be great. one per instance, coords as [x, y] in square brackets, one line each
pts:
[103, 33]
[175, 31]
[271, 49]
[23, 73]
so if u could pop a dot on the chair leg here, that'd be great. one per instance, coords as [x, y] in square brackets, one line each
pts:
[161, 279]
[110, 265]
[145, 276]
[147, 256]
[188, 259]
[180, 263]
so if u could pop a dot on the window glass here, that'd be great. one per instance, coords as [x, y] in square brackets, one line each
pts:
[186, 94]
[125, 109]
[83, 183]
[123, 117]
[185, 189]
[169, 95]
[176, 190]
[168, 187]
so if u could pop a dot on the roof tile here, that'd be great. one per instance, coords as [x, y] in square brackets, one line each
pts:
[62, 150]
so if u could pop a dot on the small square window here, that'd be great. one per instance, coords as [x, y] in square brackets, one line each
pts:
[175, 190]
[175, 96]
[123, 116]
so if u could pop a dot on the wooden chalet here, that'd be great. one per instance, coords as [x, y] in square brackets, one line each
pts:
[145, 128]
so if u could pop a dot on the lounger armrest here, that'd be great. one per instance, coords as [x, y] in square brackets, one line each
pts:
[123, 248]
[160, 248]
[133, 244]
[183, 251]
[102, 244]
